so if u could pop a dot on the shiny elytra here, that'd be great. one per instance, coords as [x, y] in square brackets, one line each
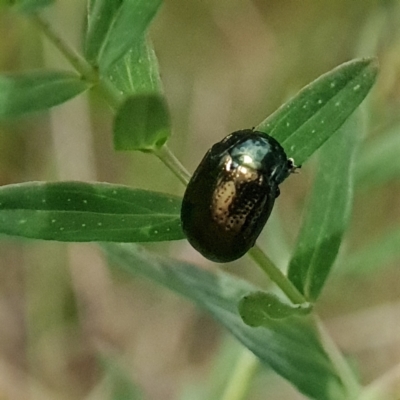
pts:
[231, 194]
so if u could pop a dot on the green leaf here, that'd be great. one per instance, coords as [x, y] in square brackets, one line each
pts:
[290, 346]
[379, 161]
[128, 27]
[83, 212]
[137, 72]
[142, 123]
[30, 6]
[100, 17]
[374, 256]
[305, 122]
[328, 213]
[33, 91]
[258, 308]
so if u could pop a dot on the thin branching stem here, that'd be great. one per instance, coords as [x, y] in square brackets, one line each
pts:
[171, 161]
[384, 387]
[343, 369]
[74, 58]
[88, 72]
[276, 275]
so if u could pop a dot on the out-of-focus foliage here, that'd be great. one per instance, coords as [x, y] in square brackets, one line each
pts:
[25, 93]
[223, 65]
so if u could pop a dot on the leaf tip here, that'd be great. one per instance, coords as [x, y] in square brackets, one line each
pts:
[372, 63]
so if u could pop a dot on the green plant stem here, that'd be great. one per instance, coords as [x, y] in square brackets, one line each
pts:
[242, 376]
[169, 159]
[385, 387]
[87, 71]
[79, 63]
[110, 94]
[276, 275]
[345, 373]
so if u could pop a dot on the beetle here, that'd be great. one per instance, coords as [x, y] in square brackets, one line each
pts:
[232, 192]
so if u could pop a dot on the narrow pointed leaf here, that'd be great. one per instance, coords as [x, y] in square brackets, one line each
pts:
[128, 28]
[290, 346]
[34, 91]
[327, 214]
[100, 17]
[142, 123]
[137, 72]
[258, 308]
[306, 121]
[83, 212]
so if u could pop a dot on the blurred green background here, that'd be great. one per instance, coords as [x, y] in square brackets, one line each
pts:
[72, 329]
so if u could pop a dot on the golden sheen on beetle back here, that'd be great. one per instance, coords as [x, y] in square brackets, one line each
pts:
[232, 192]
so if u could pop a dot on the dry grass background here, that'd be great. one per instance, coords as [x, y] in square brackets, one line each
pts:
[225, 66]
